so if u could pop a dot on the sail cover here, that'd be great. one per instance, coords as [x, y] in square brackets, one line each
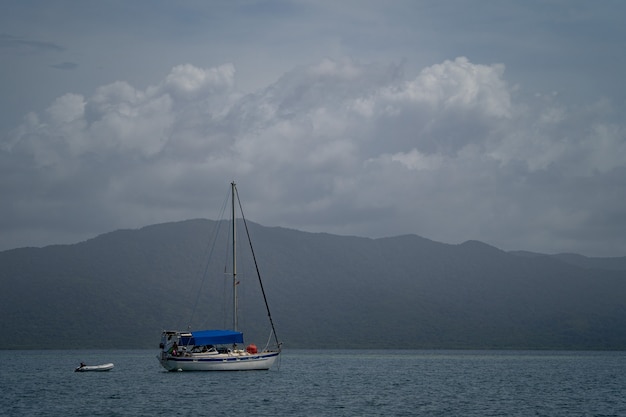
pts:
[212, 337]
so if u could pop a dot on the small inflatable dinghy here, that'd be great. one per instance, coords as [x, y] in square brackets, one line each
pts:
[94, 368]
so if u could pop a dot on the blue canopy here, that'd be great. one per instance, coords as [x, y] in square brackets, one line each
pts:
[212, 337]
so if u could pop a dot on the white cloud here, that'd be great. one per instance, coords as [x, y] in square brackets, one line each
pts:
[457, 86]
[188, 82]
[452, 153]
[415, 160]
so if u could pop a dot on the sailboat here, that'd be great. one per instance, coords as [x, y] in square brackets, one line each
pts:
[219, 350]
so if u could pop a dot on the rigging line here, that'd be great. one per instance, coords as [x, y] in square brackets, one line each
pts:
[217, 227]
[256, 265]
[269, 339]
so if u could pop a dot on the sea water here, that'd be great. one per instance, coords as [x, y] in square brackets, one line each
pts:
[320, 383]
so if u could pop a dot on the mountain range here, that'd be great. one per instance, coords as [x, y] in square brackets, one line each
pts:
[121, 289]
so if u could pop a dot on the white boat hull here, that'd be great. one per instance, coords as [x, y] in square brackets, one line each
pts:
[219, 362]
[95, 368]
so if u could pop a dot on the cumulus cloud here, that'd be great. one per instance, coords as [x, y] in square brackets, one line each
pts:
[343, 147]
[188, 82]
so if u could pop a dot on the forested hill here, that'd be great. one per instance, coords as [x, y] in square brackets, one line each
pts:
[120, 289]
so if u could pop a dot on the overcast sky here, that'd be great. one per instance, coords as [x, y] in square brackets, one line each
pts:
[499, 121]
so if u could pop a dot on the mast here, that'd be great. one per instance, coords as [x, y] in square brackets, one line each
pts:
[233, 188]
